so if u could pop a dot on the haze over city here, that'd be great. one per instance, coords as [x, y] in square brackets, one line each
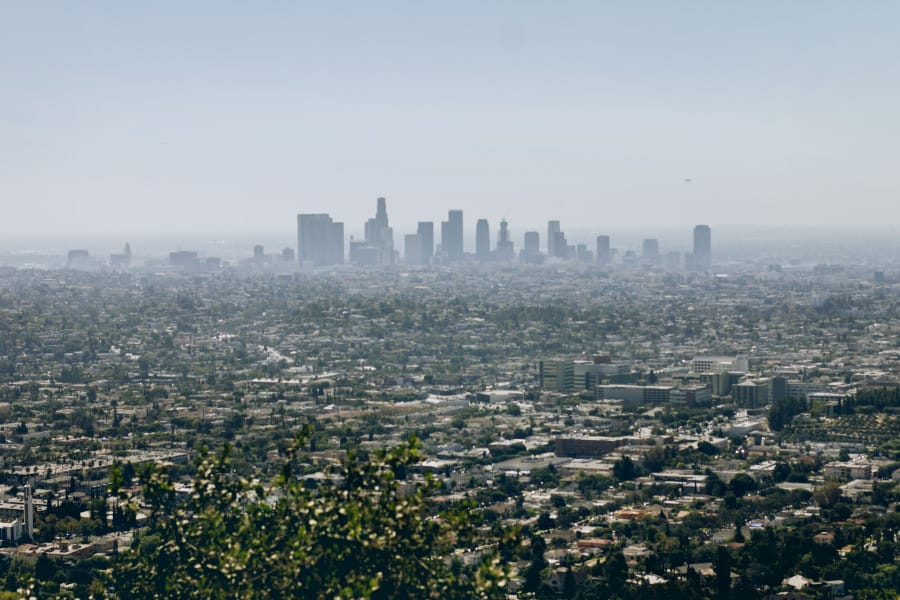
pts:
[132, 118]
[468, 300]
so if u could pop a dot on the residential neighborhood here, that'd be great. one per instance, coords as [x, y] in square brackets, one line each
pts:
[636, 434]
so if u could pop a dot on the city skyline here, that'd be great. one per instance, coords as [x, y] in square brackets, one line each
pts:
[317, 238]
[732, 242]
[626, 116]
[320, 243]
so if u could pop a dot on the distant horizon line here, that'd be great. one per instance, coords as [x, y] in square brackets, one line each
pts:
[50, 236]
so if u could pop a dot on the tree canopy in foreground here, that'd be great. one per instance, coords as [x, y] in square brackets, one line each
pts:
[359, 535]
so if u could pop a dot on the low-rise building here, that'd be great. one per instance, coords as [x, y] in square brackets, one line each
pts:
[859, 468]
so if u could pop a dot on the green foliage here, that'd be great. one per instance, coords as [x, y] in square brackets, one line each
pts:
[615, 572]
[361, 536]
[742, 484]
[828, 495]
[722, 567]
[545, 522]
[624, 469]
[592, 485]
[781, 412]
[714, 486]
[534, 572]
[707, 448]
[510, 486]
[545, 477]
[116, 478]
[880, 400]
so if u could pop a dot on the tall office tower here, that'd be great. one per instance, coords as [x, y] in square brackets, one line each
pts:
[445, 238]
[532, 243]
[335, 244]
[412, 249]
[504, 244]
[452, 236]
[702, 248]
[482, 240]
[259, 252]
[651, 251]
[604, 256]
[552, 230]
[561, 245]
[380, 236]
[425, 232]
[320, 240]
[531, 254]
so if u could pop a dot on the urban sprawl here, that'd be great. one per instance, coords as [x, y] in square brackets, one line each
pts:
[612, 424]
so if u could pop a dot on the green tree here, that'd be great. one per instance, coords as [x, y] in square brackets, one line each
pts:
[534, 572]
[741, 484]
[828, 495]
[116, 478]
[359, 538]
[569, 588]
[723, 572]
[624, 469]
[545, 522]
[707, 448]
[44, 568]
[615, 571]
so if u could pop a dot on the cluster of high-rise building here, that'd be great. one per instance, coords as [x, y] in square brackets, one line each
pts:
[504, 252]
[320, 242]
[378, 246]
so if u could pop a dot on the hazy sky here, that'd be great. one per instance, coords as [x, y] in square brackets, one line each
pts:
[130, 116]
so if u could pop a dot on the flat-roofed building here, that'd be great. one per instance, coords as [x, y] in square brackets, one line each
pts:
[651, 394]
[589, 446]
[557, 375]
[719, 364]
[751, 393]
[859, 468]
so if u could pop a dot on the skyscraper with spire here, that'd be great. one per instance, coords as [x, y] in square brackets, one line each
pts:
[378, 247]
[505, 250]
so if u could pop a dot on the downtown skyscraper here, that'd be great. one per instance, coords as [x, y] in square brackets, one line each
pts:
[604, 255]
[452, 236]
[320, 241]
[702, 259]
[505, 248]
[482, 240]
[425, 231]
[378, 247]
